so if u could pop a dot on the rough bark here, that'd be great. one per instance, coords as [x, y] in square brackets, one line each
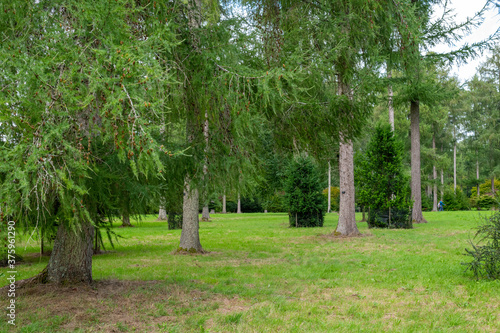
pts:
[205, 214]
[224, 211]
[239, 205]
[190, 238]
[416, 183]
[162, 215]
[390, 97]
[71, 258]
[434, 176]
[126, 220]
[347, 220]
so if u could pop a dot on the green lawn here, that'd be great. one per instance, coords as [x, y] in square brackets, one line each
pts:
[261, 276]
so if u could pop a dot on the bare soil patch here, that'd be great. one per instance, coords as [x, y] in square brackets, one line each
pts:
[115, 306]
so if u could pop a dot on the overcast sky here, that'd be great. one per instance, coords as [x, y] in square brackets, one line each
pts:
[464, 9]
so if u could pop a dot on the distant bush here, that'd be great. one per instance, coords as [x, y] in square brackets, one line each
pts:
[334, 198]
[486, 258]
[231, 206]
[251, 205]
[306, 204]
[275, 203]
[454, 201]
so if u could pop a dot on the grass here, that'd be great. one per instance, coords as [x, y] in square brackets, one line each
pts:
[261, 276]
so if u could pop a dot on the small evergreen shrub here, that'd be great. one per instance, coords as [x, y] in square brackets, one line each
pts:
[382, 184]
[174, 220]
[306, 203]
[486, 258]
[454, 201]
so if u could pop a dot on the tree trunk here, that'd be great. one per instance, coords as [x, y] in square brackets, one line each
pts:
[347, 219]
[224, 211]
[239, 205]
[329, 187]
[455, 167]
[477, 177]
[190, 238]
[126, 220]
[364, 214]
[71, 258]
[442, 184]
[434, 175]
[205, 214]
[162, 215]
[416, 187]
[390, 96]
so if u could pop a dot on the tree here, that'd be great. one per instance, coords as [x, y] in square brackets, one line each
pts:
[303, 193]
[77, 89]
[383, 184]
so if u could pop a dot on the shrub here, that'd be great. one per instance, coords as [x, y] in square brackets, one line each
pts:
[454, 201]
[251, 205]
[306, 204]
[383, 185]
[486, 258]
[174, 220]
[275, 203]
[334, 198]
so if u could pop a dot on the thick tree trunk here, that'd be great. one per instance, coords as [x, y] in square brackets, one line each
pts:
[71, 258]
[416, 187]
[347, 219]
[238, 211]
[434, 175]
[205, 214]
[162, 215]
[224, 211]
[390, 97]
[126, 220]
[329, 187]
[190, 238]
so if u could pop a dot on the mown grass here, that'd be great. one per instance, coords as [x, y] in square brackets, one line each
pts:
[261, 276]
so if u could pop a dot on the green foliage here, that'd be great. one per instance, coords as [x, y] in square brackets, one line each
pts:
[486, 258]
[174, 220]
[334, 198]
[382, 184]
[303, 194]
[251, 204]
[458, 201]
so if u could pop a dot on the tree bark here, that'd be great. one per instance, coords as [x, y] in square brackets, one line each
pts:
[442, 183]
[390, 97]
[329, 187]
[416, 187]
[205, 214]
[71, 258]
[126, 220]
[434, 175]
[224, 211]
[347, 219]
[455, 167]
[190, 238]
[477, 177]
[239, 205]
[162, 215]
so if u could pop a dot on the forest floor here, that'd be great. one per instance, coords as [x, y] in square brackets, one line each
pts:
[262, 276]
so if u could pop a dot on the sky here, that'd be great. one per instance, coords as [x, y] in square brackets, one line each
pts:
[464, 9]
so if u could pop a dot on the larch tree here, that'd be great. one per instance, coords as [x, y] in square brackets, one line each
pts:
[79, 85]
